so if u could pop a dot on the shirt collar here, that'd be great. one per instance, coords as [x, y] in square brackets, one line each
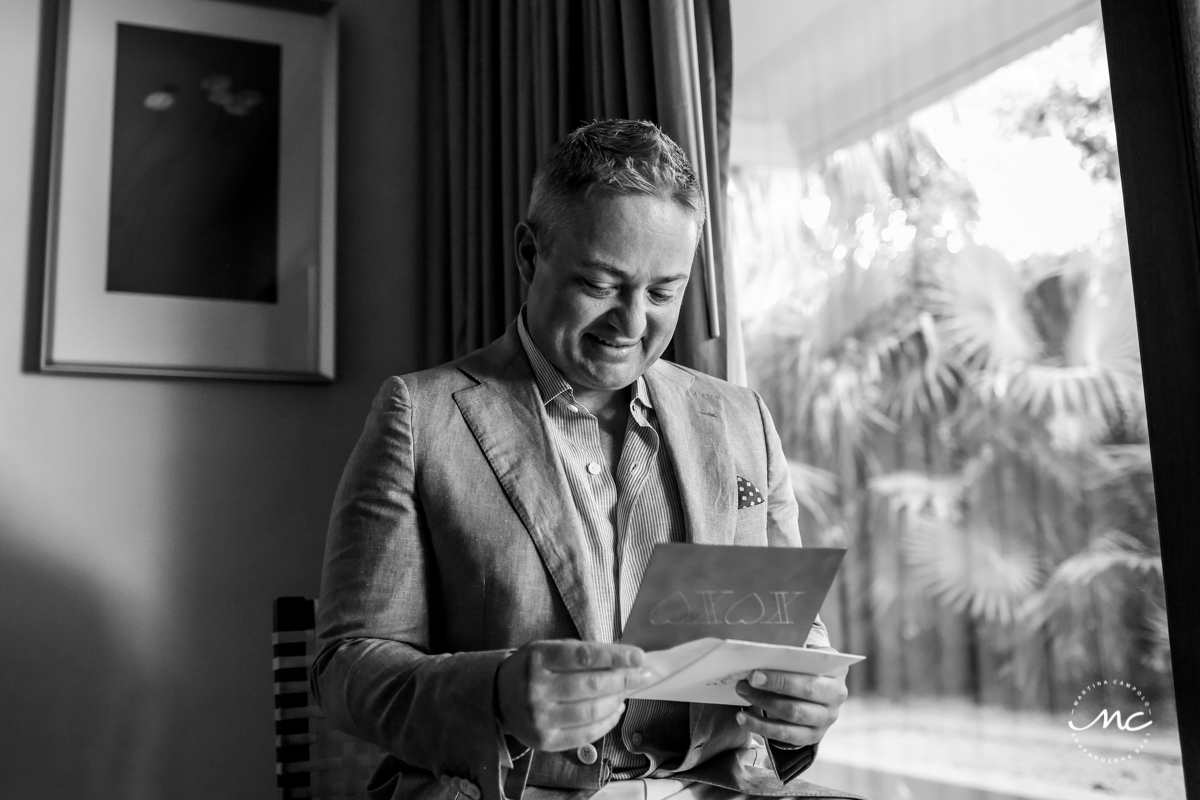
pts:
[640, 393]
[550, 381]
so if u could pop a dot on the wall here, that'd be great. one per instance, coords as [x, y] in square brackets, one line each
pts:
[146, 524]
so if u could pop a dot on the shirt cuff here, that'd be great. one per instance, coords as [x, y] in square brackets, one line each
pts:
[511, 749]
[788, 761]
[818, 637]
[515, 758]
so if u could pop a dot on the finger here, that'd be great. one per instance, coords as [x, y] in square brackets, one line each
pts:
[583, 656]
[599, 729]
[574, 686]
[570, 738]
[579, 715]
[820, 689]
[777, 730]
[788, 709]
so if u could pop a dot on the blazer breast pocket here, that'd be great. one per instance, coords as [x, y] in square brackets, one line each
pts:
[748, 494]
[751, 526]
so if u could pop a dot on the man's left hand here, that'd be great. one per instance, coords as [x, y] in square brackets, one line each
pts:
[799, 708]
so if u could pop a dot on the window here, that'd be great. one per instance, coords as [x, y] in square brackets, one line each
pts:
[939, 314]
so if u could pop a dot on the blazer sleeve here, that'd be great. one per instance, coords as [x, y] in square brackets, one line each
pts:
[375, 674]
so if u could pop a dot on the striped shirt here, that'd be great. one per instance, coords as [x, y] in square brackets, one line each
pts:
[622, 519]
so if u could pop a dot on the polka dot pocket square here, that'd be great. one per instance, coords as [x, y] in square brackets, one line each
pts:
[748, 494]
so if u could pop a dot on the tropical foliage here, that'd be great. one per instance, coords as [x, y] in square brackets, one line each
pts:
[970, 426]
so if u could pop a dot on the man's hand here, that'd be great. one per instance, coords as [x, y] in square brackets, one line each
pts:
[561, 694]
[800, 708]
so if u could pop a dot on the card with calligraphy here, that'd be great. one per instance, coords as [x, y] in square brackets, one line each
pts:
[769, 595]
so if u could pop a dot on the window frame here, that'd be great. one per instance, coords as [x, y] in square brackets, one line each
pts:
[1154, 68]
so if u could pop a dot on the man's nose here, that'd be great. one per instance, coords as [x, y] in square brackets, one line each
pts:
[628, 317]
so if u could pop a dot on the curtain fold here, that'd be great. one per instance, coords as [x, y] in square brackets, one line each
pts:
[504, 80]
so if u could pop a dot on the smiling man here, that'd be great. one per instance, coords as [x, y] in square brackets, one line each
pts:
[493, 524]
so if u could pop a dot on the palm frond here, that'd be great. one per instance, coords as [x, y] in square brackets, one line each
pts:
[815, 489]
[1112, 550]
[971, 570]
[853, 180]
[924, 382]
[1099, 377]
[1156, 625]
[1103, 332]
[838, 404]
[909, 494]
[998, 430]
[1063, 592]
[982, 316]
[1159, 656]
[852, 298]
[1118, 464]
[1091, 392]
[1092, 585]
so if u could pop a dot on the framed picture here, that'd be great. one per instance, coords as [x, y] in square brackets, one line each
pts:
[192, 190]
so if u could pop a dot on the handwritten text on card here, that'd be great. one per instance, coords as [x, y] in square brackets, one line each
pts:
[724, 607]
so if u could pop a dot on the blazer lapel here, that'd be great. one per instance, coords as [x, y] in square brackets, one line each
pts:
[503, 414]
[694, 432]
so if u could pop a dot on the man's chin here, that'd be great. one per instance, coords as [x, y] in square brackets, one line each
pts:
[603, 378]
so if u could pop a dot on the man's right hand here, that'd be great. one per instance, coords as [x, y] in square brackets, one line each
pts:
[557, 695]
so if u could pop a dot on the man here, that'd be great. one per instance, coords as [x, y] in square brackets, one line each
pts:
[494, 521]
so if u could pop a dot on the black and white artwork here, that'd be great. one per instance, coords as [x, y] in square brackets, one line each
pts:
[191, 208]
[194, 198]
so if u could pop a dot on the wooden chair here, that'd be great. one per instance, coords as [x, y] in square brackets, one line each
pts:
[312, 759]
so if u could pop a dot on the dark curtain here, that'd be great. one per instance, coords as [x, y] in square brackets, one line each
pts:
[504, 80]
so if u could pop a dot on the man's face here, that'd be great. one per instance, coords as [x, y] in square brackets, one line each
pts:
[605, 297]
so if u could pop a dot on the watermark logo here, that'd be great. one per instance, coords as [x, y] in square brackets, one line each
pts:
[1117, 714]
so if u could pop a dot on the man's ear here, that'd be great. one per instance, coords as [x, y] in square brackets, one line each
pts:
[525, 248]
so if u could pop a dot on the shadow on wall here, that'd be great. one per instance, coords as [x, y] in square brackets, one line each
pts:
[146, 524]
[71, 696]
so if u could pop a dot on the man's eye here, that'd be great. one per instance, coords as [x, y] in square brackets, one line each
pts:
[662, 298]
[599, 288]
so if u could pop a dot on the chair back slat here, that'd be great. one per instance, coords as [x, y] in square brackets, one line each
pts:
[312, 759]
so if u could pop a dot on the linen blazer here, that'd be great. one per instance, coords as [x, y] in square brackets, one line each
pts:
[453, 540]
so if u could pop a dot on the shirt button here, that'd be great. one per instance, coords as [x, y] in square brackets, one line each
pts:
[573, 408]
[593, 468]
[637, 739]
[587, 754]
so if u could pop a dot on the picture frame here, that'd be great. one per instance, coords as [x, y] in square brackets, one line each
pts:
[192, 190]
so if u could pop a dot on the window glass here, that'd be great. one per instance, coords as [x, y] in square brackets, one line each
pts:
[940, 317]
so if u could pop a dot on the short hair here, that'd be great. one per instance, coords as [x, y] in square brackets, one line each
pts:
[621, 156]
